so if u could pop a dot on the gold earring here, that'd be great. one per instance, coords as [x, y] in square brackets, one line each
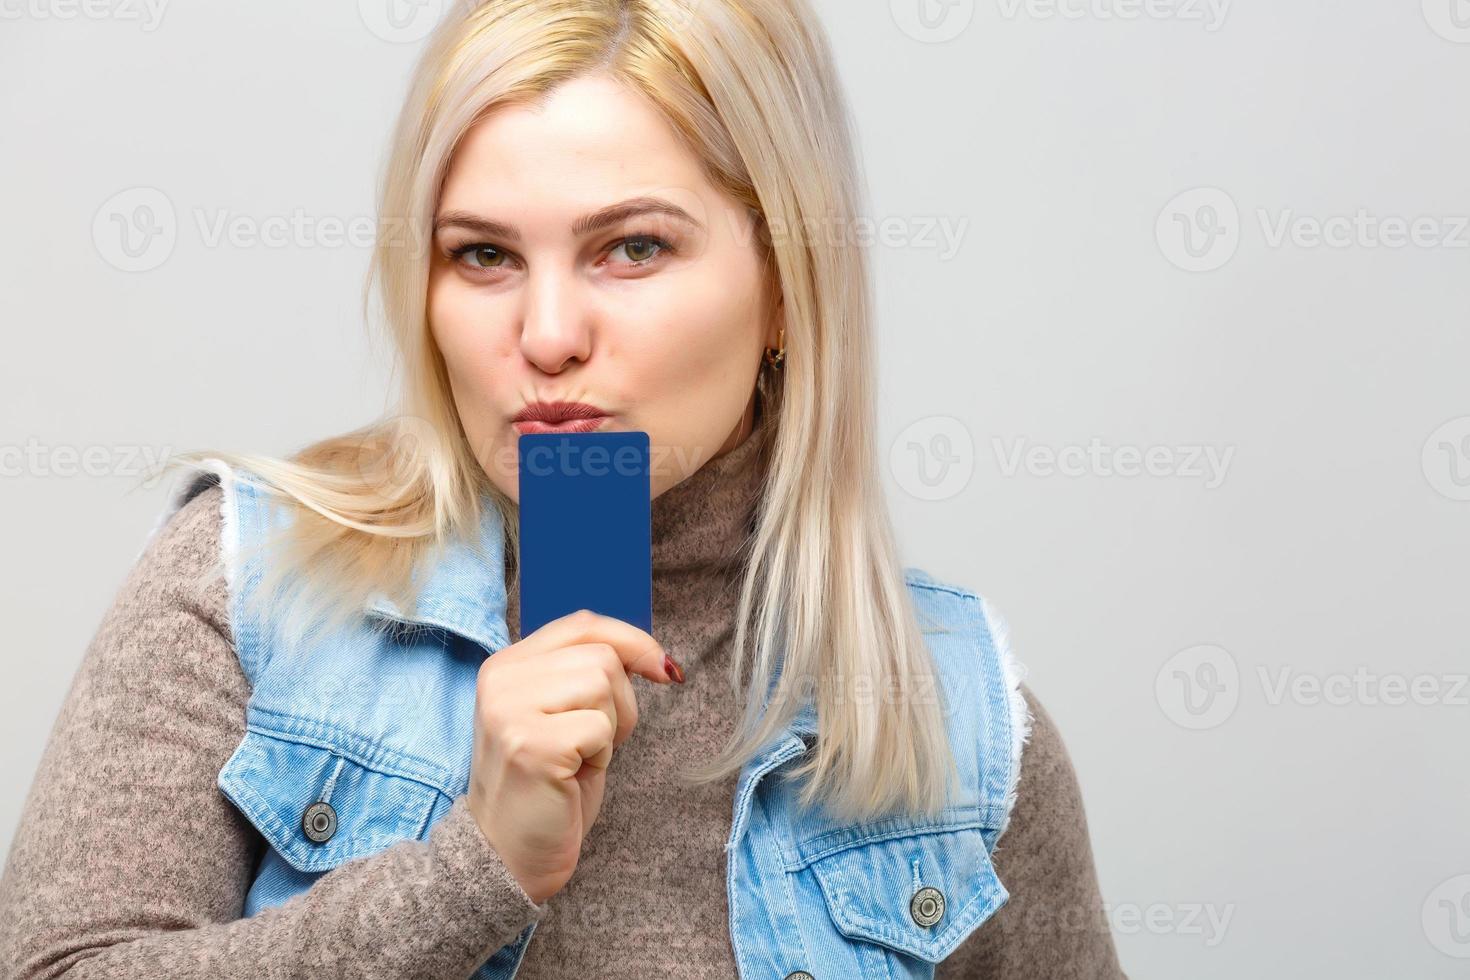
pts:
[776, 356]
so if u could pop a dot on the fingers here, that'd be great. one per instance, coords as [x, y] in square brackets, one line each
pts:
[582, 736]
[637, 650]
[591, 675]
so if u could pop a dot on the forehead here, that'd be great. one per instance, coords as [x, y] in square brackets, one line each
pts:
[591, 142]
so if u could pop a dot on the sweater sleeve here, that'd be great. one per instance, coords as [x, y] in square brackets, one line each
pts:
[129, 862]
[1054, 924]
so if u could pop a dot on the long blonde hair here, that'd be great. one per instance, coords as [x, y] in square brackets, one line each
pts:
[749, 86]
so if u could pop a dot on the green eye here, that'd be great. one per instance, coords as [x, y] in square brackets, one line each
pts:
[642, 249]
[481, 256]
[638, 246]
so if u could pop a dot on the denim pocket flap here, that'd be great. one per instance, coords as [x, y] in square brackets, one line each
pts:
[918, 892]
[278, 780]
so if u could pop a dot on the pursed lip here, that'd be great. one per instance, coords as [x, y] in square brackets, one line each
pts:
[558, 416]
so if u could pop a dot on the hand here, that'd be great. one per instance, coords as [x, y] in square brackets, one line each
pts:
[549, 711]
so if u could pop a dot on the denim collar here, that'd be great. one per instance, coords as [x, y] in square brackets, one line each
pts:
[465, 589]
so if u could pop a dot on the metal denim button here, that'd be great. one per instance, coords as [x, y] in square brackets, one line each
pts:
[799, 975]
[319, 822]
[927, 906]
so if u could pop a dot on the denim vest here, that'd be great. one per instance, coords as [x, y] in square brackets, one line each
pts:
[378, 725]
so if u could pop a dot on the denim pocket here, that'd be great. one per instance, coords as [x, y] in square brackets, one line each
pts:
[274, 779]
[918, 891]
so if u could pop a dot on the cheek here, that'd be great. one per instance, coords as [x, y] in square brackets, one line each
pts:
[692, 328]
[463, 326]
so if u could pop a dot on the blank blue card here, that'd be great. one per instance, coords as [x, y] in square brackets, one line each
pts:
[586, 536]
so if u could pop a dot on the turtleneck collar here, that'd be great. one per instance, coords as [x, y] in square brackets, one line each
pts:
[702, 522]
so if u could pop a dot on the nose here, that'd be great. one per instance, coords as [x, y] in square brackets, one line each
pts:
[555, 327]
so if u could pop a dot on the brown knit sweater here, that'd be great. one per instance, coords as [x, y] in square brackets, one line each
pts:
[129, 863]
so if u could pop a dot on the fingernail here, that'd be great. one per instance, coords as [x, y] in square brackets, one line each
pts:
[672, 669]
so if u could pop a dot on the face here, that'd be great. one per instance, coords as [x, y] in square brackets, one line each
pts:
[580, 255]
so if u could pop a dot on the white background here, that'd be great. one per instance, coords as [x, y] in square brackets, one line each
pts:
[1259, 670]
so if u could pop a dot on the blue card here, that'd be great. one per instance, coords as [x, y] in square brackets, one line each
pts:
[585, 525]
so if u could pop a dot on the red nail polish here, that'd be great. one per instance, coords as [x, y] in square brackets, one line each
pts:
[672, 669]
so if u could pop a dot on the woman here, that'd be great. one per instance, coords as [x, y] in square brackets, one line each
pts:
[342, 756]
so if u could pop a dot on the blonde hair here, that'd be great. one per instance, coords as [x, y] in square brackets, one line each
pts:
[749, 86]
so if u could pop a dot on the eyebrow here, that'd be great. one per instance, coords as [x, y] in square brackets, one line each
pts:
[597, 220]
